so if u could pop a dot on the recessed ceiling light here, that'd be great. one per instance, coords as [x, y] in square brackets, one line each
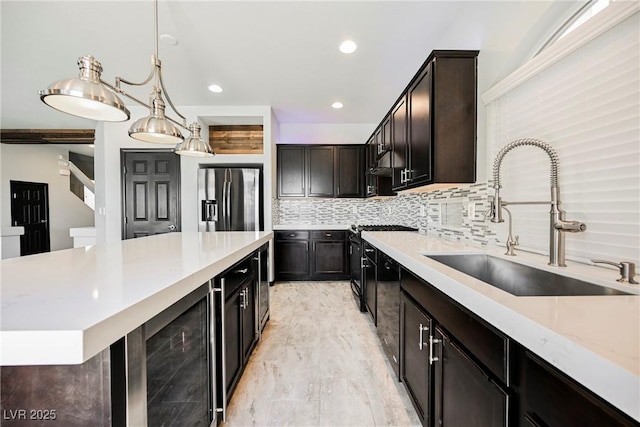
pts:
[215, 88]
[348, 46]
[337, 105]
[168, 40]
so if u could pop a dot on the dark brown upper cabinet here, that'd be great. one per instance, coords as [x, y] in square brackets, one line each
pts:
[320, 171]
[433, 123]
[320, 167]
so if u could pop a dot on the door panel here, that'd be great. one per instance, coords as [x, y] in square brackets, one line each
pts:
[460, 383]
[415, 368]
[320, 164]
[30, 209]
[420, 128]
[151, 192]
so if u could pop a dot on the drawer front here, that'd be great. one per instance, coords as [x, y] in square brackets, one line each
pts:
[292, 235]
[238, 275]
[487, 345]
[329, 235]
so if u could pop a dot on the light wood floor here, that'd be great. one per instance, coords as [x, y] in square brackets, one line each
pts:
[319, 364]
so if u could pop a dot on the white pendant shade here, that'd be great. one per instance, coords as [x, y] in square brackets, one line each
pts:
[156, 127]
[194, 146]
[85, 96]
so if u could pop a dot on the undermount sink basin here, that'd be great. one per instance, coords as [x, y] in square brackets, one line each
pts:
[518, 279]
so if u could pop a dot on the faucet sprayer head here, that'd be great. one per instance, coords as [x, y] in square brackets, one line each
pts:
[495, 210]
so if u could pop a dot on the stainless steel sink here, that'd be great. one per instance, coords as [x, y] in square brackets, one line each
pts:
[520, 280]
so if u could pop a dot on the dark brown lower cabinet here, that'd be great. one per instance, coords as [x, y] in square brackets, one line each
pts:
[464, 395]
[461, 371]
[415, 369]
[235, 325]
[311, 255]
[549, 398]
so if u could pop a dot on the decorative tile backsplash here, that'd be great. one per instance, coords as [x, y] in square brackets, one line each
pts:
[454, 213]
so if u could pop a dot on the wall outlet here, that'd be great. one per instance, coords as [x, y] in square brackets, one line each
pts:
[471, 211]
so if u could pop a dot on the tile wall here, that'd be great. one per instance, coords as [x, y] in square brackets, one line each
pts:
[444, 213]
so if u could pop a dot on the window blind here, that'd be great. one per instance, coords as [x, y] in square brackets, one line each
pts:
[587, 106]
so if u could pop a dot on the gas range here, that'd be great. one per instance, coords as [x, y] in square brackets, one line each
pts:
[358, 228]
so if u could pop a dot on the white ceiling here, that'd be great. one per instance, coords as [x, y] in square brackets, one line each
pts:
[283, 54]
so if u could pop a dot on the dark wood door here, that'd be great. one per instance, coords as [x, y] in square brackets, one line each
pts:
[370, 283]
[30, 209]
[320, 178]
[232, 340]
[419, 127]
[386, 134]
[328, 258]
[350, 171]
[292, 259]
[415, 329]
[151, 192]
[291, 171]
[248, 318]
[400, 158]
[542, 386]
[464, 394]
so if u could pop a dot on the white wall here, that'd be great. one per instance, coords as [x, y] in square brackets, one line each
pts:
[39, 163]
[325, 133]
[112, 137]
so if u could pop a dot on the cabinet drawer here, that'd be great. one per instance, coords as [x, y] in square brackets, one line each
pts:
[238, 274]
[487, 345]
[329, 235]
[292, 235]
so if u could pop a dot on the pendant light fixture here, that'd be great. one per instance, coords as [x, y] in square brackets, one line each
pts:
[194, 146]
[90, 97]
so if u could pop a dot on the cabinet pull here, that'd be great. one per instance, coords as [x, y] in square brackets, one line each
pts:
[368, 250]
[421, 338]
[292, 235]
[241, 271]
[433, 341]
[363, 262]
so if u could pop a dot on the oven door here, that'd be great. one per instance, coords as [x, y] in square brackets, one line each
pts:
[355, 263]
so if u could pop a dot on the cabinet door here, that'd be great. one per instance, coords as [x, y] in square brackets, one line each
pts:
[291, 171]
[415, 371]
[370, 287]
[329, 258]
[463, 394]
[386, 134]
[248, 312]
[419, 128]
[320, 161]
[541, 387]
[399, 161]
[232, 344]
[350, 171]
[292, 259]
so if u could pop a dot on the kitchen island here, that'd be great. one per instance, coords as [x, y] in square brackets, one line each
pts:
[595, 340]
[66, 308]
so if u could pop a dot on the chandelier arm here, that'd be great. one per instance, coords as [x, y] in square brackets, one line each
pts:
[144, 104]
[147, 80]
[173, 107]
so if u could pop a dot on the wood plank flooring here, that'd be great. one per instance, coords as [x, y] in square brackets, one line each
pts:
[319, 364]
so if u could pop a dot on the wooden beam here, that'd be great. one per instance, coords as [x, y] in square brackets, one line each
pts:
[239, 139]
[47, 136]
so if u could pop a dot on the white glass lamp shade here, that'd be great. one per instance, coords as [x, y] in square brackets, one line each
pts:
[194, 145]
[156, 127]
[85, 96]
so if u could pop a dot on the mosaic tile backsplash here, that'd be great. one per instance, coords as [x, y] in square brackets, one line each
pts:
[454, 213]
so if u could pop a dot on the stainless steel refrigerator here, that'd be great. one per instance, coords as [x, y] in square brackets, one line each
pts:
[230, 199]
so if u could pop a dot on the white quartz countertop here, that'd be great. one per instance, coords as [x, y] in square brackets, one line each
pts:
[11, 231]
[312, 227]
[593, 339]
[63, 307]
